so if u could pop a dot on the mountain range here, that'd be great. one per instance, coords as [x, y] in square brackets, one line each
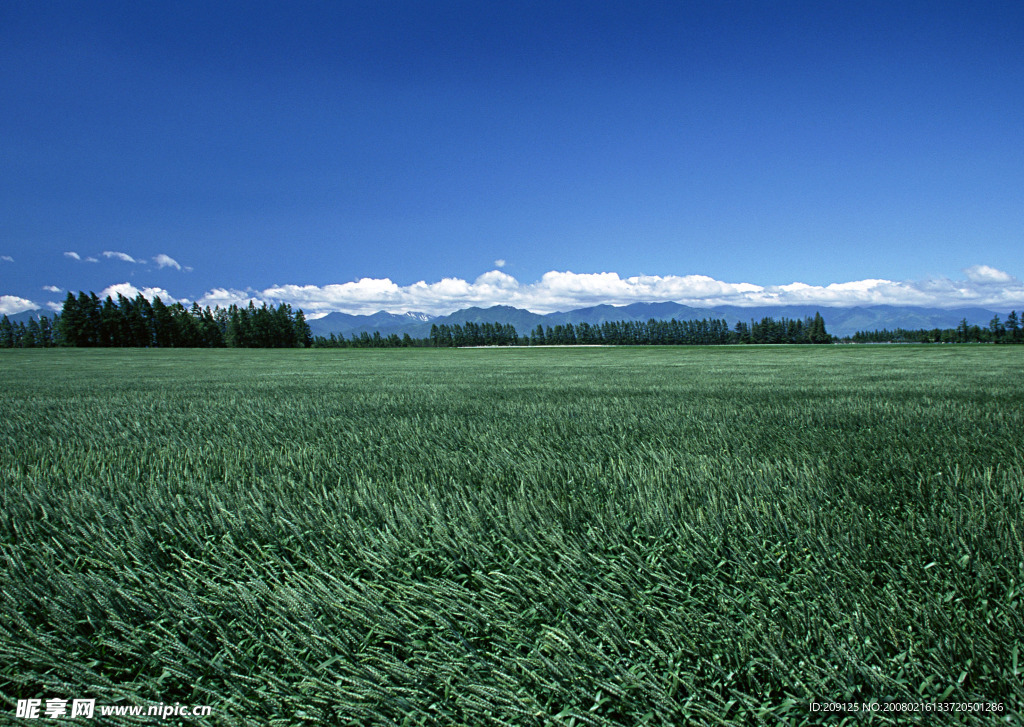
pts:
[838, 321]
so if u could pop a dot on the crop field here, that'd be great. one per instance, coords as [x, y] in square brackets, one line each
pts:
[600, 536]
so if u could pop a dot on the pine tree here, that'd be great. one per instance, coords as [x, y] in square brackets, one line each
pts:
[110, 324]
[31, 334]
[6, 333]
[74, 321]
[143, 322]
[70, 321]
[233, 327]
[163, 323]
[818, 334]
[209, 330]
[45, 332]
[303, 334]
[91, 306]
[996, 329]
[962, 331]
[1013, 328]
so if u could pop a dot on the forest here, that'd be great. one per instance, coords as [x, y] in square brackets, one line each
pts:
[998, 331]
[703, 332]
[87, 321]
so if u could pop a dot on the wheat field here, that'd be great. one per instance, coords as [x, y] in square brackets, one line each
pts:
[613, 536]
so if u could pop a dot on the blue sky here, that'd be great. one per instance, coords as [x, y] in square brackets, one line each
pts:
[429, 155]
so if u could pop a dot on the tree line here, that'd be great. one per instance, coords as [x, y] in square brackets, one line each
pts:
[86, 321]
[1009, 331]
[441, 336]
[39, 333]
[612, 333]
[703, 332]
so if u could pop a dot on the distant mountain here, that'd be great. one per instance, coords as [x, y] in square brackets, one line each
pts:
[847, 321]
[838, 321]
[523, 320]
[344, 325]
[30, 315]
[599, 314]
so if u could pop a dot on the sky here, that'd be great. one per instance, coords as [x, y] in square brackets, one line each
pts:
[427, 156]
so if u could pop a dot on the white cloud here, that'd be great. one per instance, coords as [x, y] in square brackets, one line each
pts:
[7, 258]
[72, 255]
[11, 304]
[499, 263]
[369, 295]
[166, 261]
[565, 290]
[985, 274]
[52, 288]
[130, 291]
[55, 307]
[121, 256]
[224, 298]
[91, 260]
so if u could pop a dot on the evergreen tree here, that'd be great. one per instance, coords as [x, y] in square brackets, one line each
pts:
[71, 322]
[233, 327]
[303, 335]
[143, 322]
[6, 333]
[818, 334]
[1013, 328]
[92, 308]
[282, 326]
[45, 332]
[211, 331]
[962, 331]
[31, 334]
[996, 329]
[110, 324]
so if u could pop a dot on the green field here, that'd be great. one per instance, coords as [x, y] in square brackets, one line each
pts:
[516, 536]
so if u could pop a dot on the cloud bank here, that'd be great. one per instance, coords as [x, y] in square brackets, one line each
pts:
[130, 291]
[984, 286]
[11, 304]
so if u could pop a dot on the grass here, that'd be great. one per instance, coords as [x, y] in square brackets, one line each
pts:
[523, 537]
